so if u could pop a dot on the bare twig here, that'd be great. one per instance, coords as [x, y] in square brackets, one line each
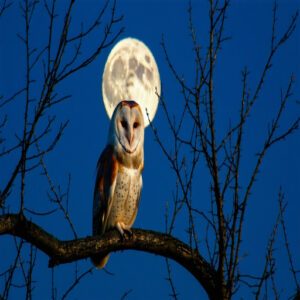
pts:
[4, 5]
[282, 207]
[124, 296]
[76, 282]
[169, 278]
[269, 267]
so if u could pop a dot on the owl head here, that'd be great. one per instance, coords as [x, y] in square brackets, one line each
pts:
[127, 127]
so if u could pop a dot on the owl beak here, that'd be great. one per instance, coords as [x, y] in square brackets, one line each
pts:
[129, 137]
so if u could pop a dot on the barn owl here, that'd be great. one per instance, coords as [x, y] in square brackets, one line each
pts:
[119, 180]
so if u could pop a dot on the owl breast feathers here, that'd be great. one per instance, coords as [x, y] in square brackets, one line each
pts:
[119, 180]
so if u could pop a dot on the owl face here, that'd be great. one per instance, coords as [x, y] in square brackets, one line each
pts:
[128, 126]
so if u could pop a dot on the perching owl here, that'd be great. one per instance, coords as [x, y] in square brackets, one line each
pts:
[119, 174]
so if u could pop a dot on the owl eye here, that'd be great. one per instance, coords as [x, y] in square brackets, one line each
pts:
[136, 124]
[124, 124]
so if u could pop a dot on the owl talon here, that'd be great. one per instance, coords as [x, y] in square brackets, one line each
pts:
[126, 235]
[128, 232]
[124, 232]
[123, 236]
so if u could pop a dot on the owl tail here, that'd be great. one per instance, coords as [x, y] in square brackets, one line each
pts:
[100, 261]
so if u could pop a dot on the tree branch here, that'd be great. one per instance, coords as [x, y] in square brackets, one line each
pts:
[61, 252]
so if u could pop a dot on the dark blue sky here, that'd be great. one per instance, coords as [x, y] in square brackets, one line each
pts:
[249, 26]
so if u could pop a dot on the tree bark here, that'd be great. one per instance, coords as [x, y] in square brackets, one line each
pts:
[61, 252]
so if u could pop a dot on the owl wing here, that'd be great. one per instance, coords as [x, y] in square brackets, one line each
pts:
[107, 169]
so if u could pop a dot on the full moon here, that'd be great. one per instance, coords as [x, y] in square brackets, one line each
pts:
[131, 73]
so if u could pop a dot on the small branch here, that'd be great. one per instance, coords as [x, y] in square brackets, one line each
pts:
[95, 24]
[3, 102]
[106, 42]
[286, 240]
[11, 272]
[76, 282]
[269, 267]
[275, 45]
[4, 6]
[170, 281]
[126, 294]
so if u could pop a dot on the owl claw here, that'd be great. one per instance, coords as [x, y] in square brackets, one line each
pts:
[128, 232]
[124, 232]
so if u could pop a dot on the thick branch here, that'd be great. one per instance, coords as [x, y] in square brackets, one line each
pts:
[61, 252]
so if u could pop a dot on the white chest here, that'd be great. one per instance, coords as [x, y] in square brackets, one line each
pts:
[126, 197]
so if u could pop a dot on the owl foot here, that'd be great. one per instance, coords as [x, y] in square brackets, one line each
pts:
[128, 232]
[124, 231]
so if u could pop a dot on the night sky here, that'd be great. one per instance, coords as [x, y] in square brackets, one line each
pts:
[142, 275]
